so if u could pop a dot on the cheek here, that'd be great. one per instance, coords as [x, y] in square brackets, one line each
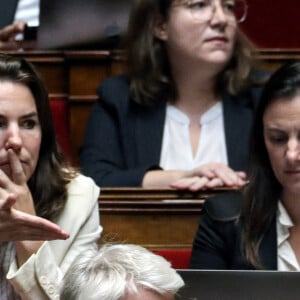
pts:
[232, 35]
[33, 149]
[2, 143]
[36, 147]
[33, 146]
[184, 32]
[232, 31]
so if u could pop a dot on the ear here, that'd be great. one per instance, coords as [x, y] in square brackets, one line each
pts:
[158, 27]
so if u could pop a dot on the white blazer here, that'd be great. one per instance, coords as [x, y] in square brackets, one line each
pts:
[40, 277]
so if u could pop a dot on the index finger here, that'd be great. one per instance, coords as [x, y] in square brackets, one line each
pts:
[49, 229]
[230, 178]
[187, 183]
[8, 202]
[17, 172]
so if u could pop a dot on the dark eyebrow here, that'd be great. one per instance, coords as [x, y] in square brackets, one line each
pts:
[275, 130]
[30, 115]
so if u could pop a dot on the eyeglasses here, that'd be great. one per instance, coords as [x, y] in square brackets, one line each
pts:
[203, 10]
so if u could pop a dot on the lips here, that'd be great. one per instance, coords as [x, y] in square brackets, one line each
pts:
[217, 39]
[291, 171]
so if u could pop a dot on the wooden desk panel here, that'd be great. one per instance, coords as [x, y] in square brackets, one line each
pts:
[86, 71]
[51, 65]
[159, 231]
[272, 59]
[154, 218]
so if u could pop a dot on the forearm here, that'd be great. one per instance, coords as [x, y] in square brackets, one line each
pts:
[40, 271]
[117, 177]
[24, 249]
[163, 178]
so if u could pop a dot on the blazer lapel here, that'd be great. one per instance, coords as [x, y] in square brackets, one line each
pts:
[149, 132]
[7, 12]
[268, 248]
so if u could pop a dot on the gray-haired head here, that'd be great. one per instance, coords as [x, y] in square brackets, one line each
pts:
[118, 270]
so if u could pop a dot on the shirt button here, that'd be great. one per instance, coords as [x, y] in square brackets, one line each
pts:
[44, 280]
[51, 289]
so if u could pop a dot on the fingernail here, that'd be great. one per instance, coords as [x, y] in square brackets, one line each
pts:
[65, 234]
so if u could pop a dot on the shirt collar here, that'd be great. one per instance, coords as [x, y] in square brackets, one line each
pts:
[210, 115]
[284, 222]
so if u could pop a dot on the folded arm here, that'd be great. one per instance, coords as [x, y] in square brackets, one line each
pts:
[209, 175]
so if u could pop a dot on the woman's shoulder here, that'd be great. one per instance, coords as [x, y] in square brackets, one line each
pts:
[83, 185]
[114, 92]
[252, 93]
[249, 96]
[225, 206]
[82, 201]
[113, 85]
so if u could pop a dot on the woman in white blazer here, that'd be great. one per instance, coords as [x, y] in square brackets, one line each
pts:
[48, 212]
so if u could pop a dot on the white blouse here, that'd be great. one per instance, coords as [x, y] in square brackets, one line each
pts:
[176, 152]
[286, 258]
[28, 11]
[7, 255]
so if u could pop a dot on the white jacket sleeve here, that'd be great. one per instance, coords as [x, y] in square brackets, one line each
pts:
[40, 277]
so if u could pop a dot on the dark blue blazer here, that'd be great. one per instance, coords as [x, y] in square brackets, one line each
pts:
[123, 139]
[7, 12]
[217, 243]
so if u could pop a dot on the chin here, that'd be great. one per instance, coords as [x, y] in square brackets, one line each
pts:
[221, 58]
[218, 58]
[218, 63]
[293, 188]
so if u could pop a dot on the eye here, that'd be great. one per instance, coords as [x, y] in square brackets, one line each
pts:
[29, 123]
[229, 6]
[198, 4]
[3, 123]
[278, 139]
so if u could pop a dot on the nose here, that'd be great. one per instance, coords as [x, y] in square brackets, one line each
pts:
[293, 150]
[13, 138]
[218, 15]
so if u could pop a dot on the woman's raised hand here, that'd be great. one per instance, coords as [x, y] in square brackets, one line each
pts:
[16, 225]
[17, 214]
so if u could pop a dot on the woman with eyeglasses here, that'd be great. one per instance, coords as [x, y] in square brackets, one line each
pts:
[181, 117]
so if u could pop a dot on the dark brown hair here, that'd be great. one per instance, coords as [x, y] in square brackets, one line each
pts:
[264, 190]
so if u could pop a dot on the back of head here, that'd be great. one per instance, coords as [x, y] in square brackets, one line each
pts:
[118, 270]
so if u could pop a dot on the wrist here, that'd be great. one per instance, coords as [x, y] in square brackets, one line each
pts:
[24, 249]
